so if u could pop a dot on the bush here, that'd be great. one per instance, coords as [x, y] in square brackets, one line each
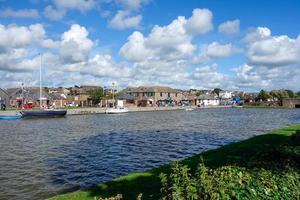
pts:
[229, 182]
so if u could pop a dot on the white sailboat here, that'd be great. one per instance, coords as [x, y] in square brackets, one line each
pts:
[119, 108]
[116, 109]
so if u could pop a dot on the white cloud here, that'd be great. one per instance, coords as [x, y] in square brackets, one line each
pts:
[22, 13]
[216, 50]
[32, 34]
[255, 78]
[75, 44]
[54, 14]
[273, 51]
[81, 5]
[173, 41]
[123, 20]
[208, 77]
[131, 4]
[230, 27]
[200, 22]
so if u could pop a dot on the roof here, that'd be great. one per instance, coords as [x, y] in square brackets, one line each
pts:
[206, 97]
[151, 89]
[4, 91]
[125, 96]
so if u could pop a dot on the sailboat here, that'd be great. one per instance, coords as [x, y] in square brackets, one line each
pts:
[42, 112]
[116, 109]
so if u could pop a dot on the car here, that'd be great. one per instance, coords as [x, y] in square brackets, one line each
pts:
[2, 105]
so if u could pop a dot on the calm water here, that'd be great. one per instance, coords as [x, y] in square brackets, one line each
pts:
[41, 158]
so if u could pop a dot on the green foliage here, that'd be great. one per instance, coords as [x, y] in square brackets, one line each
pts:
[273, 174]
[264, 95]
[290, 93]
[95, 95]
[217, 91]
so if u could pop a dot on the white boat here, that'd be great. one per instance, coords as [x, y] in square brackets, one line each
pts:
[118, 109]
[189, 109]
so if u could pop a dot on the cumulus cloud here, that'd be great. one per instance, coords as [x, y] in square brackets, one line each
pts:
[200, 22]
[208, 77]
[81, 5]
[131, 4]
[26, 35]
[217, 50]
[255, 78]
[22, 13]
[173, 41]
[230, 27]
[75, 44]
[274, 51]
[54, 14]
[123, 20]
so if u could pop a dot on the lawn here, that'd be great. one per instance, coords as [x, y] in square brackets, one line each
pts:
[267, 152]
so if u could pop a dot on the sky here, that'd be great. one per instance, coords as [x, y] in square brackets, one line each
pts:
[200, 44]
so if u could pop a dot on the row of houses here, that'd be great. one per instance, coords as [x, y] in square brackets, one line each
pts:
[132, 96]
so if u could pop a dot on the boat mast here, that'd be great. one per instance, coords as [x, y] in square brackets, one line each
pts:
[41, 82]
[113, 83]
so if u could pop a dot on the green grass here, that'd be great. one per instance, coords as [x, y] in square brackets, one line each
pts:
[148, 183]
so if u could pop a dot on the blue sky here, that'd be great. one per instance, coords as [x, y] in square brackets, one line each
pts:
[237, 45]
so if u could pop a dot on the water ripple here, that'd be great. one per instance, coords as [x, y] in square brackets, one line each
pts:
[42, 158]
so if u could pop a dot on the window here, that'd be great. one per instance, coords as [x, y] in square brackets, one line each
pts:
[169, 94]
[176, 94]
[161, 94]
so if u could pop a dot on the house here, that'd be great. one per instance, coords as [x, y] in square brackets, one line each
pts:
[79, 95]
[189, 98]
[225, 94]
[31, 97]
[154, 95]
[208, 100]
[291, 102]
[4, 96]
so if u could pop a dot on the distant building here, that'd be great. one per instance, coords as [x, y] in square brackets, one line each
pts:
[225, 95]
[79, 95]
[291, 102]
[4, 96]
[155, 95]
[32, 98]
[208, 100]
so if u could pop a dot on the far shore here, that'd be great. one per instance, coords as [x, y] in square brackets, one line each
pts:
[98, 110]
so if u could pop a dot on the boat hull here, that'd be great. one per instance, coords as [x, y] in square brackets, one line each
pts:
[116, 110]
[10, 117]
[44, 113]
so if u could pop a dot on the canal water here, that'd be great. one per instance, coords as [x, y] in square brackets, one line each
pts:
[40, 158]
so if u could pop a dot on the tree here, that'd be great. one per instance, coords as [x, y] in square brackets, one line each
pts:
[263, 95]
[290, 93]
[95, 95]
[298, 94]
[217, 91]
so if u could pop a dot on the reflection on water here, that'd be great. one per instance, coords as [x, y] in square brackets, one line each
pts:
[41, 158]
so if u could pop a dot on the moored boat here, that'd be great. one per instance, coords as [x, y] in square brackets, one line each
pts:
[43, 113]
[119, 108]
[12, 117]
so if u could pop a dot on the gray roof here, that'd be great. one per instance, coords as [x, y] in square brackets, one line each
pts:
[125, 96]
[150, 89]
[206, 97]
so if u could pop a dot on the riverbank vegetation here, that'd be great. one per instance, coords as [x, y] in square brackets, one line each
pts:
[263, 167]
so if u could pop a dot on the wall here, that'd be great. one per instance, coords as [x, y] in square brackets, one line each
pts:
[291, 103]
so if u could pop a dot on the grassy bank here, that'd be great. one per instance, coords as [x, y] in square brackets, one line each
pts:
[275, 152]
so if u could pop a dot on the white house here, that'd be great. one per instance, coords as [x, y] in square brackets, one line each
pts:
[208, 100]
[225, 95]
